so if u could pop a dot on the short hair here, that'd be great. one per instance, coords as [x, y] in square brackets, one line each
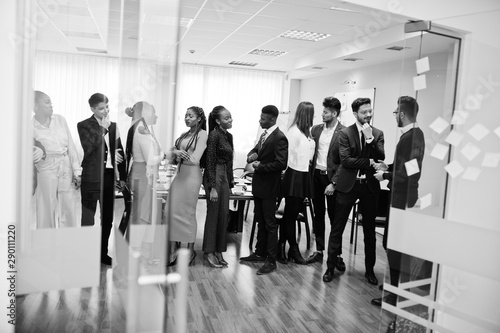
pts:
[271, 110]
[96, 99]
[332, 103]
[409, 106]
[358, 102]
[38, 95]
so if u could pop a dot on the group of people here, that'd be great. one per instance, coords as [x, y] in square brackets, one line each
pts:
[330, 164]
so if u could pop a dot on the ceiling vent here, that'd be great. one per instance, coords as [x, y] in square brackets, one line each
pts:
[352, 59]
[305, 35]
[269, 53]
[243, 63]
[397, 48]
[318, 67]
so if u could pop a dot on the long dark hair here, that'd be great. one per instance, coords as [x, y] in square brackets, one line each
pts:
[304, 118]
[214, 115]
[202, 125]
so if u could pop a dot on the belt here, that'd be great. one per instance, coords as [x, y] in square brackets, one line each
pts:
[321, 172]
[361, 180]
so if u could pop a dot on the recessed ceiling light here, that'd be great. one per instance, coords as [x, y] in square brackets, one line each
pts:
[305, 35]
[267, 52]
[340, 9]
[352, 59]
[398, 48]
[243, 63]
[318, 67]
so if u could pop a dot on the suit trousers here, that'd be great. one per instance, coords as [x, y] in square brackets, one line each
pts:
[105, 194]
[267, 234]
[320, 184]
[368, 202]
[215, 234]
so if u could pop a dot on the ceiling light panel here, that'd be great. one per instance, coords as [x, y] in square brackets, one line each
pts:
[352, 59]
[243, 63]
[305, 35]
[398, 48]
[268, 53]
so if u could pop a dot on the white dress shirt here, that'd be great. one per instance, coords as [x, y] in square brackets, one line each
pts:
[300, 149]
[324, 145]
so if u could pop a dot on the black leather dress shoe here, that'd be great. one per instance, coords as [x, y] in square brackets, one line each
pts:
[340, 264]
[390, 299]
[371, 278]
[267, 268]
[315, 257]
[328, 276]
[106, 260]
[253, 258]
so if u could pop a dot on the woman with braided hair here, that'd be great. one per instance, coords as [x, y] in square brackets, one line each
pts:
[187, 153]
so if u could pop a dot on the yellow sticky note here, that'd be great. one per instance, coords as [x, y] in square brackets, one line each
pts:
[491, 160]
[439, 151]
[439, 125]
[425, 201]
[454, 169]
[470, 151]
[419, 82]
[454, 138]
[412, 167]
[422, 65]
[471, 173]
[479, 131]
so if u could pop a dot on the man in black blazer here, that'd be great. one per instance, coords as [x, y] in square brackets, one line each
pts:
[102, 167]
[360, 146]
[324, 135]
[269, 158]
[403, 186]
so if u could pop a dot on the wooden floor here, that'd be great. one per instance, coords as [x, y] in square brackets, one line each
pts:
[291, 299]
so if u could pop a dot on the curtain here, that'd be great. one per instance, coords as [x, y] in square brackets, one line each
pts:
[243, 92]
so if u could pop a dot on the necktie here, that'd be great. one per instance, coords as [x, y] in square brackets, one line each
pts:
[262, 138]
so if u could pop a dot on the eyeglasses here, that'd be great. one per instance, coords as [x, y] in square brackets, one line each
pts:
[395, 112]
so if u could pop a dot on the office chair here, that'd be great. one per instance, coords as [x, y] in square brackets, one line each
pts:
[380, 219]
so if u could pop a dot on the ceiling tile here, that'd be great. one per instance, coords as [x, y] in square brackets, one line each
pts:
[290, 11]
[227, 17]
[275, 22]
[214, 26]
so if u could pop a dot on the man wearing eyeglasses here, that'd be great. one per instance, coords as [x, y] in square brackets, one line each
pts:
[359, 147]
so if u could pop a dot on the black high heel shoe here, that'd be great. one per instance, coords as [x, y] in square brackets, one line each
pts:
[193, 256]
[281, 257]
[295, 256]
[212, 260]
[221, 260]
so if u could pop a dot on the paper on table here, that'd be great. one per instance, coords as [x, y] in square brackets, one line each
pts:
[412, 167]
[479, 131]
[439, 151]
[419, 82]
[454, 138]
[470, 151]
[459, 117]
[422, 65]
[425, 201]
[471, 173]
[491, 160]
[454, 169]
[439, 125]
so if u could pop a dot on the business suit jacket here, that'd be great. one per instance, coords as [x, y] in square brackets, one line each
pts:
[273, 157]
[351, 160]
[316, 133]
[95, 152]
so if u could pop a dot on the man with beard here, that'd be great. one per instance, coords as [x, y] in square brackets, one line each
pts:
[360, 146]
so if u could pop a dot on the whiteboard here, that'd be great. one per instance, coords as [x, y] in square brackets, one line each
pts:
[346, 98]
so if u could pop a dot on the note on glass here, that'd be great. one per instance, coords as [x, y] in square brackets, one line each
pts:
[491, 160]
[425, 201]
[454, 138]
[439, 151]
[439, 125]
[454, 169]
[459, 117]
[471, 173]
[419, 82]
[470, 151]
[422, 65]
[479, 131]
[412, 167]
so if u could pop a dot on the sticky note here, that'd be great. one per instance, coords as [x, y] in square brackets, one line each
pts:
[454, 138]
[439, 125]
[471, 173]
[412, 167]
[491, 160]
[470, 151]
[497, 132]
[479, 131]
[454, 169]
[459, 117]
[425, 201]
[419, 82]
[422, 65]
[439, 151]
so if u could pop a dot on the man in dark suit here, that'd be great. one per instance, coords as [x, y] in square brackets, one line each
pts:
[102, 155]
[324, 135]
[360, 146]
[269, 158]
[403, 184]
